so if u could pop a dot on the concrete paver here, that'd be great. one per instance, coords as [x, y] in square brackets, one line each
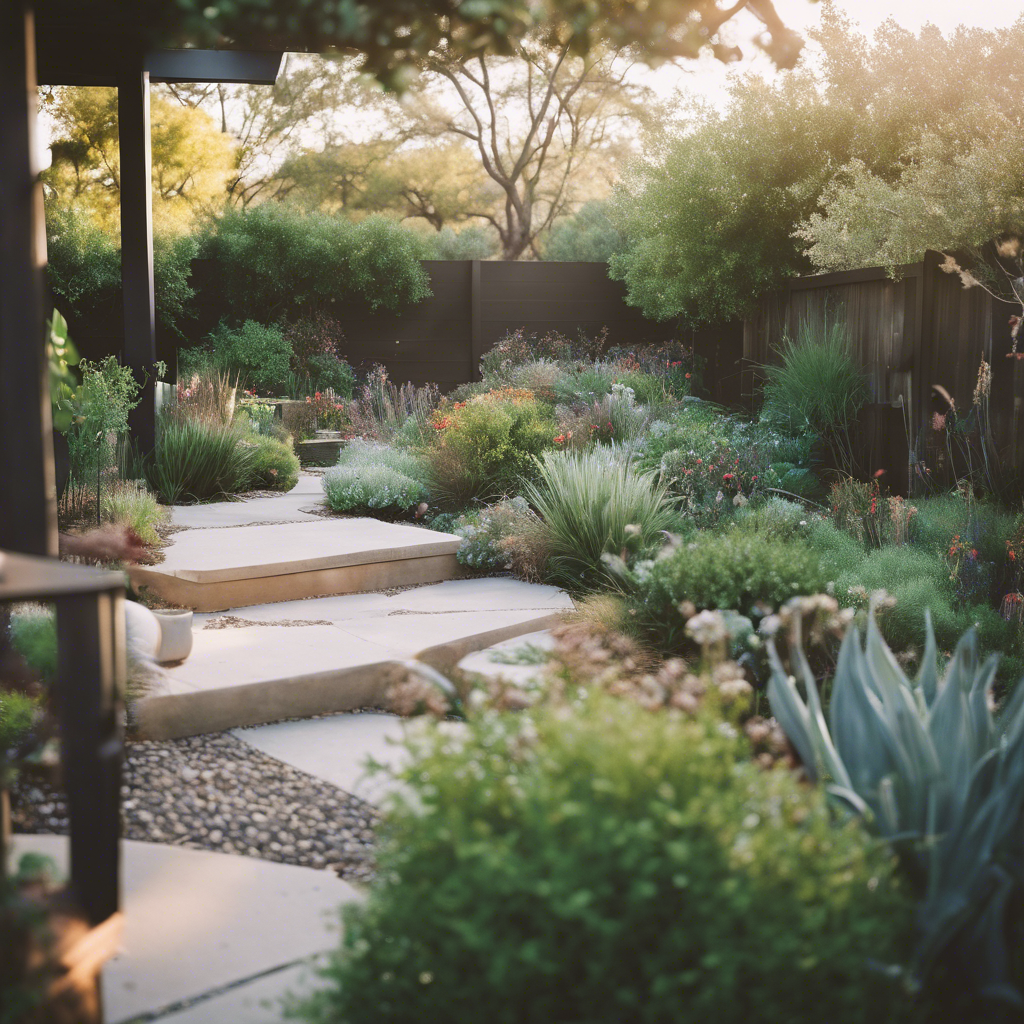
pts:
[198, 921]
[336, 749]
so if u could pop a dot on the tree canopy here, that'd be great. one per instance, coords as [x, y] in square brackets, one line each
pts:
[891, 146]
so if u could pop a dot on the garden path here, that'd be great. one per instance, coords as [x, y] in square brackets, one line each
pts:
[258, 662]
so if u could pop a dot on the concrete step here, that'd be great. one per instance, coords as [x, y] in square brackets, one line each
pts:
[209, 936]
[300, 659]
[211, 569]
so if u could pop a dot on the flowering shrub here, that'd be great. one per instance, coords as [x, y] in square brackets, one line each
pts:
[328, 413]
[383, 409]
[484, 447]
[735, 570]
[504, 536]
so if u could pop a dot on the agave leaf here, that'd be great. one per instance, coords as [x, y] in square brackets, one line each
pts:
[928, 677]
[816, 721]
[791, 713]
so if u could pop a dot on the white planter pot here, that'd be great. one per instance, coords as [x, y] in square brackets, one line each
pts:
[143, 628]
[175, 635]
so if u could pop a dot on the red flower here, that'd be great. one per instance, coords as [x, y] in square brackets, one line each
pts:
[687, 376]
[878, 472]
[974, 552]
[728, 476]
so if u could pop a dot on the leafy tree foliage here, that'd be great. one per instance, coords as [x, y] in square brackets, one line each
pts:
[884, 152]
[192, 160]
[709, 224]
[590, 235]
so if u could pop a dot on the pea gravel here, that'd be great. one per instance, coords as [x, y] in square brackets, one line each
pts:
[217, 793]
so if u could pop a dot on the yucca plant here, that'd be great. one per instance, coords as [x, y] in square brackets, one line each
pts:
[595, 504]
[938, 775]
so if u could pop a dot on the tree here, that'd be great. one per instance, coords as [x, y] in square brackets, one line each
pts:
[270, 124]
[970, 206]
[436, 183]
[192, 160]
[883, 135]
[539, 123]
[396, 34]
[590, 235]
[708, 222]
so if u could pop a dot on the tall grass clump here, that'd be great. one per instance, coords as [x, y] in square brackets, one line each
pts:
[197, 459]
[131, 503]
[382, 409]
[819, 382]
[596, 504]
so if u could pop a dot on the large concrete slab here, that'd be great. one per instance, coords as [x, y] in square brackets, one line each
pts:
[250, 552]
[336, 749]
[282, 508]
[309, 483]
[197, 922]
[305, 658]
[218, 568]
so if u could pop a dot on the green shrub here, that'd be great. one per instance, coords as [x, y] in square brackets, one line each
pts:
[34, 637]
[278, 262]
[274, 465]
[19, 714]
[614, 865]
[819, 383]
[987, 525]
[487, 448]
[373, 476]
[594, 504]
[130, 503]
[733, 570]
[838, 551]
[260, 356]
[775, 518]
[329, 373]
[100, 409]
[196, 459]
[84, 269]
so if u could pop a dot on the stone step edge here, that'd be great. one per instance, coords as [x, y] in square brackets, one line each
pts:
[173, 716]
[225, 595]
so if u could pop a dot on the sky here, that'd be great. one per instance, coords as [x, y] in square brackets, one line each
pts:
[709, 78]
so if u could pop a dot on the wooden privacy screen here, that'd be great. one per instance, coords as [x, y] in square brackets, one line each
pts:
[921, 329]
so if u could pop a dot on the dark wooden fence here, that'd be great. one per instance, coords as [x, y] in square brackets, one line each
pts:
[475, 303]
[910, 334]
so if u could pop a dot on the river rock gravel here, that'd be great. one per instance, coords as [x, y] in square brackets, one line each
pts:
[217, 793]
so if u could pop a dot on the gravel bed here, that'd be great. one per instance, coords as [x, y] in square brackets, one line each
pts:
[217, 793]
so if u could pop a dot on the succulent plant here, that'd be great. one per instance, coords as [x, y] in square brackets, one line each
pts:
[937, 773]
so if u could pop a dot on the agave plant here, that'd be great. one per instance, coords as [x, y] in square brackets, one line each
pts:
[936, 772]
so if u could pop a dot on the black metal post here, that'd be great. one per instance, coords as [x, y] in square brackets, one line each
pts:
[28, 503]
[90, 692]
[137, 248]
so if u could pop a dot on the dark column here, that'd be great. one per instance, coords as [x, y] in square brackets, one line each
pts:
[90, 687]
[137, 248]
[28, 508]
